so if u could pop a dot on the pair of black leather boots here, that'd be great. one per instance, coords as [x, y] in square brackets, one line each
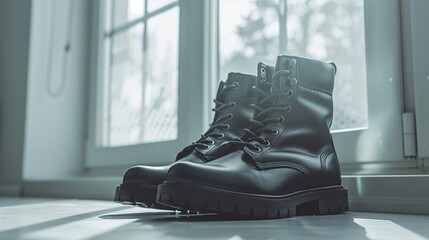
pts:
[267, 154]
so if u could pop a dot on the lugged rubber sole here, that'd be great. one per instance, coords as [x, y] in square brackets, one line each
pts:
[141, 195]
[317, 201]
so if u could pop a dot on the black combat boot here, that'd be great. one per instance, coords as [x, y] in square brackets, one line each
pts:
[232, 114]
[285, 165]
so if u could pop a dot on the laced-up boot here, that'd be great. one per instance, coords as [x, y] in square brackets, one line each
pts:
[286, 163]
[232, 114]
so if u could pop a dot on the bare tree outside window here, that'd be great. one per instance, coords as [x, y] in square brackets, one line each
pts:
[259, 30]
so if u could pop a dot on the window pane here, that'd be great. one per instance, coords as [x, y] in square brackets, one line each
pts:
[139, 97]
[126, 10]
[253, 31]
[155, 4]
[160, 91]
[125, 88]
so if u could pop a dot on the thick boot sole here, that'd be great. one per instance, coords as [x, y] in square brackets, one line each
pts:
[138, 195]
[317, 201]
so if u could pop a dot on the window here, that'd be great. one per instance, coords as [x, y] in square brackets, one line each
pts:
[135, 100]
[140, 87]
[155, 71]
[357, 35]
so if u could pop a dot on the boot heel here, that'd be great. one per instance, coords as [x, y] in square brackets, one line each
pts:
[327, 203]
[333, 202]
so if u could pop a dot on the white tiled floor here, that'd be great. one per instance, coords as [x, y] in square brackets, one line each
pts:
[84, 219]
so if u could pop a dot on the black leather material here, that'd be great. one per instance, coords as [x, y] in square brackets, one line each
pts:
[299, 154]
[154, 175]
[229, 174]
[239, 114]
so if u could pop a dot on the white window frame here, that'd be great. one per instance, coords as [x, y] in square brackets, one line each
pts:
[382, 142]
[190, 88]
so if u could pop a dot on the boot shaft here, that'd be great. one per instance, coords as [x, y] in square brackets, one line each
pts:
[303, 88]
[308, 87]
[298, 115]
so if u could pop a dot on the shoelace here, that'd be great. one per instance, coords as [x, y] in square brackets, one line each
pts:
[205, 140]
[263, 116]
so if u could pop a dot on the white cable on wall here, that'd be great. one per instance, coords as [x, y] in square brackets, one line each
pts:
[54, 93]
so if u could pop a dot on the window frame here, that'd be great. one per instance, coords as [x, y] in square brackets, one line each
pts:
[384, 91]
[190, 67]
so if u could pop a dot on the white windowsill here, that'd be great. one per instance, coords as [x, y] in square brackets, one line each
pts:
[82, 187]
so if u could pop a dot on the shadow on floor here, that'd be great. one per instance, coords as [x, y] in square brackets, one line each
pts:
[56, 222]
[188, 226]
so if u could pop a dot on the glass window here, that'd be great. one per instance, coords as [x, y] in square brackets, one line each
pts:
[138, 100]
[160, 92]
[259, 30]
[126, 10]
[156, 4]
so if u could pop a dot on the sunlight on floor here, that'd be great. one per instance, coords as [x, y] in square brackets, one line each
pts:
[49, 219]
[386, 229]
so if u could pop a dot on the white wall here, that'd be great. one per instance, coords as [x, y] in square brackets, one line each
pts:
[55, 126]
[14, 38]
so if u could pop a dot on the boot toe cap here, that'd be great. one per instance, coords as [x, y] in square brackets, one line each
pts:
[237, 176]
[208, 175]
[146, 174]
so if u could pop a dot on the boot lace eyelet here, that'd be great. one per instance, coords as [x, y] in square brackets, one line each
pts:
[288, 108]
[230, 116]
[221, 135]
[211, 142]
[226, 127]
[233, 104]
[256, 149]
[289, 93]
[282, 120]
[267, 143]
[235, 85]
[274, 132]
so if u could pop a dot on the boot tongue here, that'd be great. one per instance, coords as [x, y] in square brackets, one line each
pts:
[265, 74]
[272, 84]
[280, 83]
[219, 90]
[264, 79]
